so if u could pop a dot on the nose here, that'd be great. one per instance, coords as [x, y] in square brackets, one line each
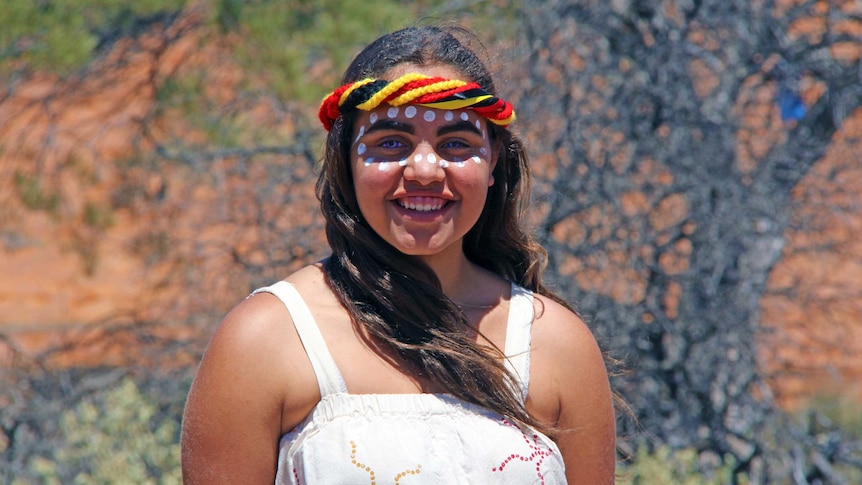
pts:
[423, 166]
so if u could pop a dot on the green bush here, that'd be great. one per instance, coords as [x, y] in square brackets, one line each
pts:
[60, 35]
[119, 436]
[669, 466]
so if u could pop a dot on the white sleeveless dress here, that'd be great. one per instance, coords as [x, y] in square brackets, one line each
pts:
[411, 439]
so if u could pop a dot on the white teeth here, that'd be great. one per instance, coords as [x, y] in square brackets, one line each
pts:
[422, 204]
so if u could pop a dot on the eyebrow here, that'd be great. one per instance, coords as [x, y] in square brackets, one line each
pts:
[392, 125]
[459, 126]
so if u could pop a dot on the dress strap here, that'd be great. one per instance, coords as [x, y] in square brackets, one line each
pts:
[517, 350]
[329, 379]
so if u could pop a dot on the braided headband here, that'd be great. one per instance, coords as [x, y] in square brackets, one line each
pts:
[414, 88]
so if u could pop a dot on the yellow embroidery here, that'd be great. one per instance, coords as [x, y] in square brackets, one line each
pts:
[370, 471]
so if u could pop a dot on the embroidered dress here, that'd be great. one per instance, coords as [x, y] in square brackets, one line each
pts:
[411, 439]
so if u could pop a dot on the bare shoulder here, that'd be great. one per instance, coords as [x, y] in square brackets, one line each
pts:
[254, 383]
[569, 389]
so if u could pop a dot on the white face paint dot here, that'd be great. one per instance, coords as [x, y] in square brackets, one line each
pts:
[464, 116]
[384, 166]
[444, 164]
[429, 116]
[361, 132]
[392, 112]
[402, 163]
[410, 111]
[448, 116]
[431, 158]
[373, 118]
[361, 149]
[476, 159]
[417, 158]
[369, 161]
[483, 151]
[478, 125]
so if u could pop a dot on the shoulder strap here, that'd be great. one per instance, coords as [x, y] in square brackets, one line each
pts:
[328, 377]
[521, 316]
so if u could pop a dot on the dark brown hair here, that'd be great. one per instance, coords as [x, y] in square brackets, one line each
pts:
[373, 280]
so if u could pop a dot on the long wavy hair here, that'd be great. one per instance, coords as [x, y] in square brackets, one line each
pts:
[398, 298]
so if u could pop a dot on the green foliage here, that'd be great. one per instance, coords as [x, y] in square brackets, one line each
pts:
[119, 436]
[98, 216]
[670, 466]
[33, 193]
[283, 40]
[842, 412]
[60, 35]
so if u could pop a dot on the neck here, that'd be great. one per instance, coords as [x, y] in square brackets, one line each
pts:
[463, 281]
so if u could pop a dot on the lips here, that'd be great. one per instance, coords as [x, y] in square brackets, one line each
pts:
[422, 204]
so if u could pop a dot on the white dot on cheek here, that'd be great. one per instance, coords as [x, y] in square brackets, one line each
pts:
[483, 151]
[360, 150]
[429, 116]
[384, 166]
[361, 132]
[476, 159]
[393, 112]
[410, 111]
[373, 118]
[478, 125]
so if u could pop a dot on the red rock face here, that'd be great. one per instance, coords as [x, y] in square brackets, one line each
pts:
[95, 245]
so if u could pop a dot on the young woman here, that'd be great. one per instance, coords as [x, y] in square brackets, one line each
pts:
[425, 349]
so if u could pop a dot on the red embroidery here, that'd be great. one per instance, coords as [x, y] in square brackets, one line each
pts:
[538, 455]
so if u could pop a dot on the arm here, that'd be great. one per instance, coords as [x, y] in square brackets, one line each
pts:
[570, 388]
[247, 393]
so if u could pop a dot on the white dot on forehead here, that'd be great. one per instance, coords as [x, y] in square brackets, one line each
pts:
[393, 112]
[373, 117]
[410, 111]
[429, 116]
[478, 125]
[448, 116]
[464, 116]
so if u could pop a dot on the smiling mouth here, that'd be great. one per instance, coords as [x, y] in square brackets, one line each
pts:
[422, 204]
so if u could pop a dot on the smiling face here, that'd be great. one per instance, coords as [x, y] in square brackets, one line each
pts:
[421, 175]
